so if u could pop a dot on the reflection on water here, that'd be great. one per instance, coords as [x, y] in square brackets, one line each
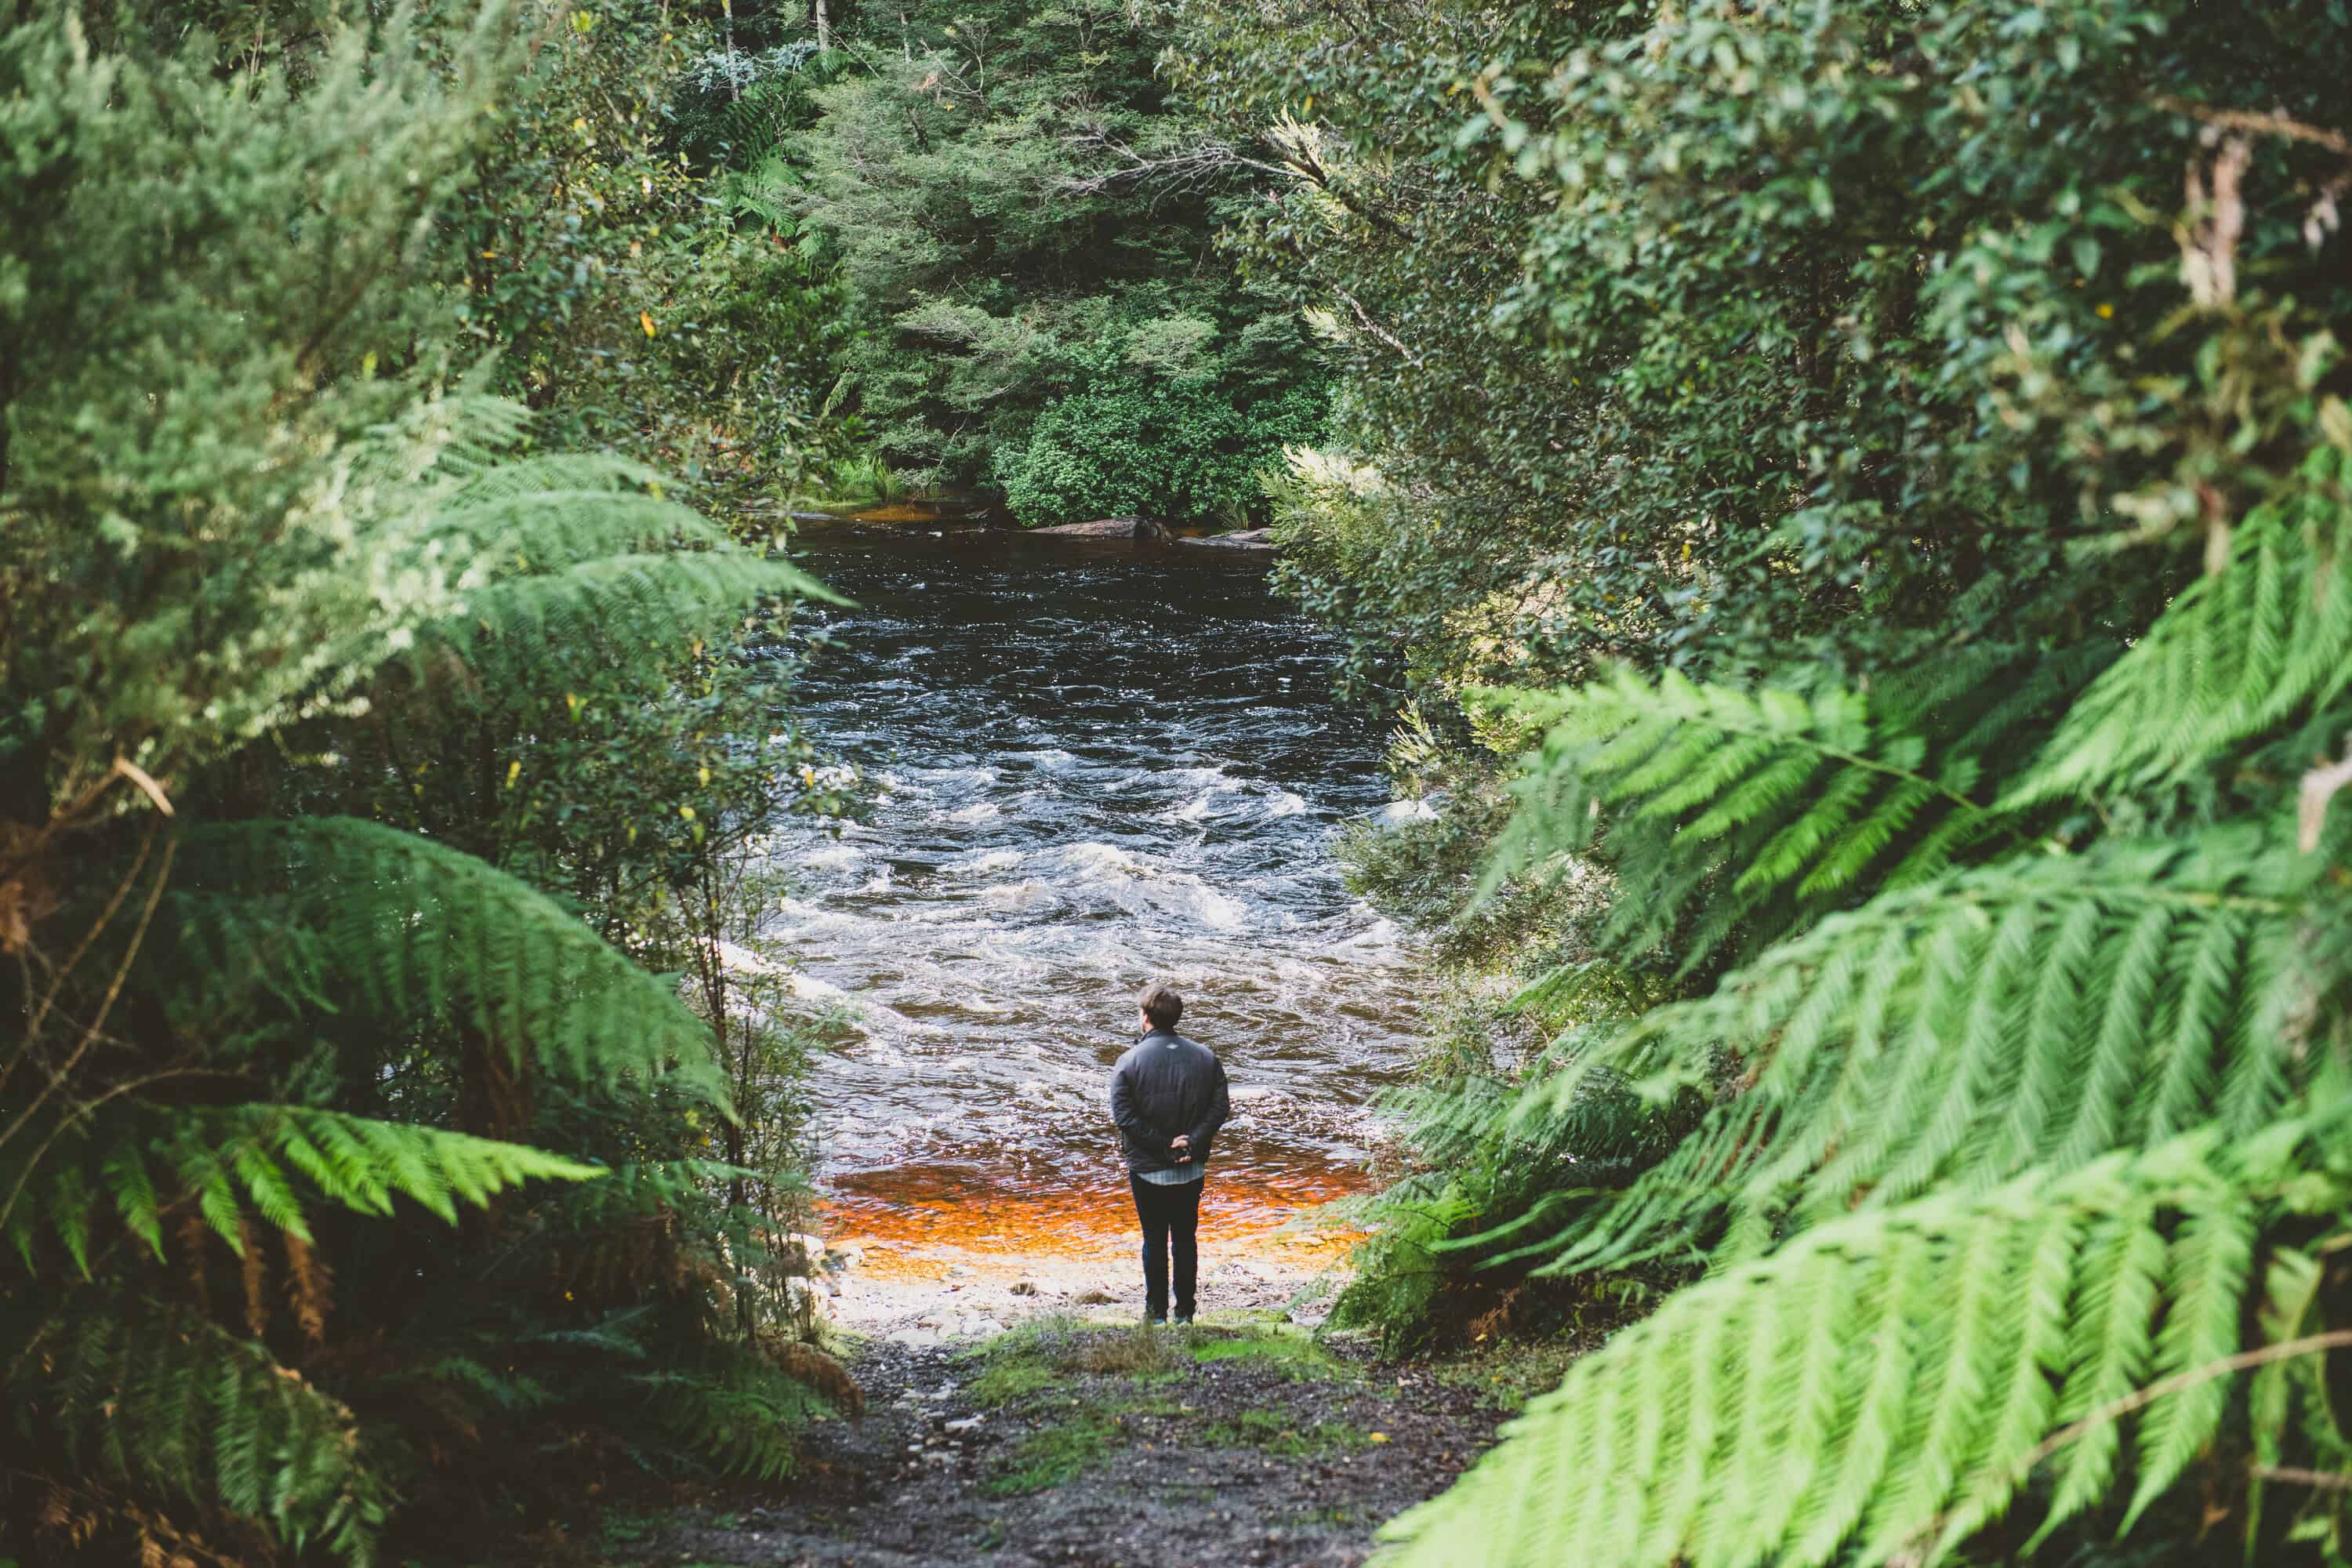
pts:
[1101, 765]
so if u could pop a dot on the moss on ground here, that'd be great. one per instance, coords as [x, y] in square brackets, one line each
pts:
[1512, 1372]
[1054, 1455]
[1291, 1351]
[1276, 1434]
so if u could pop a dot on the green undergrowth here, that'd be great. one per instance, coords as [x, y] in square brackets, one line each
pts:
[1056, 1454]
[1513, 1371]
[1007, 1381]
[1269, 1430]
[1037, 1365]
[1293, 1352]
[1047, 1352]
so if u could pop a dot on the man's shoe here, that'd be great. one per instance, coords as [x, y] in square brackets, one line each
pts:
[1183, 1319]
[1159, 1322]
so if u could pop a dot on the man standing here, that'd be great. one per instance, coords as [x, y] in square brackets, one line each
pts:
[1167, 1096]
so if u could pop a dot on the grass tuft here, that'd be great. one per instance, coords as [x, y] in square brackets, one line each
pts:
[1269, 1431]
[1039, 1355]
[1012, 1378]
[1289, 1351]
[1056, 1454]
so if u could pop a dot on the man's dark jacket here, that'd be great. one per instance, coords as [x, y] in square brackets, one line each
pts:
[1167, 1087]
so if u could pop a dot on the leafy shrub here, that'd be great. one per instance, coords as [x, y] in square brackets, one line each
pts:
[1180, 453]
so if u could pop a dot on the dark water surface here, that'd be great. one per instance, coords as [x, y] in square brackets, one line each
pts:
[1101, 764]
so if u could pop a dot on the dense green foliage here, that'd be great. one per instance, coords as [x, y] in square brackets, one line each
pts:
[1890, 460]
[1734, 341]
[638, 297]
[368, 758]
[1026, 222]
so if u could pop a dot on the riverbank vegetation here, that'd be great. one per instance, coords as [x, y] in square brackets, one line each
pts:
[1843, 502]
[381, 738]
[1847, 500]
[1025, 221]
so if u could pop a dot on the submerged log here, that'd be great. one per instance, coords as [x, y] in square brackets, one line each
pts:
[1107, 528]
[1244, 539]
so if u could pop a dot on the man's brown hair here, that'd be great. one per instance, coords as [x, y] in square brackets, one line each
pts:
[1161, 1005]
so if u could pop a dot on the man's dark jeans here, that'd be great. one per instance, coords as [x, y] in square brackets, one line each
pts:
[1171, 1217]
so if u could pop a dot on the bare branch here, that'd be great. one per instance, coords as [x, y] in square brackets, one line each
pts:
[2319, 787]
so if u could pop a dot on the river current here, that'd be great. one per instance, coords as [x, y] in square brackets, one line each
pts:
[1098, 764]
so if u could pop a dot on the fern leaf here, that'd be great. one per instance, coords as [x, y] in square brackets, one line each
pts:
[126, 1177]
[1803, 1441]
[228, 1157]
[2240, 652]
[733, 1405]
[628, 606]
[1770, 807]
[400, 926]
[164, 1400]
[2041, 1012]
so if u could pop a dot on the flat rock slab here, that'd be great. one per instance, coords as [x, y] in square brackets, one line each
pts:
[1243, 539]
[1106, 528]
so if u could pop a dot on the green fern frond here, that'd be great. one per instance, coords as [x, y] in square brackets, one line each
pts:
[486, 475]
[626, 606]
[361, 1163]
[637, 1190]
[409, 930]
[1882, 1387]
[733, 1406]
[167, 1402]
[246, 1159]
[2238, 652]
[437, 533]
[546, 530]
[2041, 1012]
[1767, 808]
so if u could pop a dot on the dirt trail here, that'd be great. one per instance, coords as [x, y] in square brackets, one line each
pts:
[1065, 1442]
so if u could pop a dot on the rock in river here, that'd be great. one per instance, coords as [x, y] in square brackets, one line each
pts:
[1107, 528]
[1243, 539]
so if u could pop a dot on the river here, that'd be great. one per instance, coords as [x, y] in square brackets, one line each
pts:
[1098, 764]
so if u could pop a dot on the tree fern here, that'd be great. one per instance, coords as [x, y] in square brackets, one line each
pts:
[2041, 1012]
[1882, 1386]
[732, 1404]
[586, 548]
[276, 1161]
[687, 1400]
[1763, 807]
[168, 1402]
[2242, 650]
[628, 606]
[412, 932]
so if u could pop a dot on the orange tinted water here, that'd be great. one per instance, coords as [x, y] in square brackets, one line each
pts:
[1099, 766]
[906, 1217]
